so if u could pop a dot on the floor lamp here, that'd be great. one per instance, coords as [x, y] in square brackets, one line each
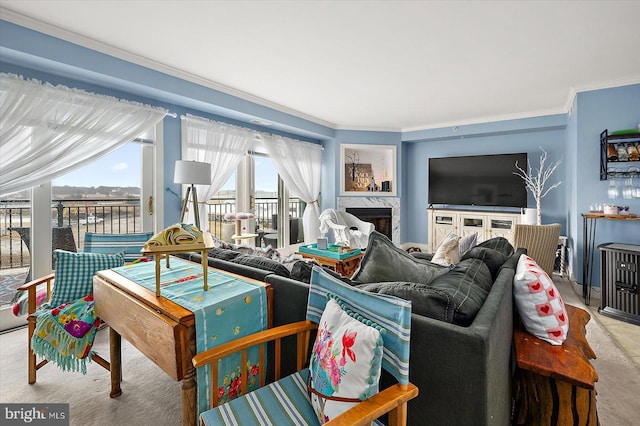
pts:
[192, 173]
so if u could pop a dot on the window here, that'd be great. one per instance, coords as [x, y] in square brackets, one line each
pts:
[109, 195]
[256, 187]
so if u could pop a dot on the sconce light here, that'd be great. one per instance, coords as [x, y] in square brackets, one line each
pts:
[192, 173]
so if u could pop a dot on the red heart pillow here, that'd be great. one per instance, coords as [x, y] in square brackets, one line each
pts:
[539, 303]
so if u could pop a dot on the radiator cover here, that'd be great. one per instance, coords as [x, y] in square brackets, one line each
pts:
[620, 281]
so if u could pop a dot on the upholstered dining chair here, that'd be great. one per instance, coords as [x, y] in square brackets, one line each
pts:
[541, 242]
[130, 244]
[72, 281]
[358, 333]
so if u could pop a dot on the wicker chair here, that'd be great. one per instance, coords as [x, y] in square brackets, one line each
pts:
[541, 242]
[61, 238]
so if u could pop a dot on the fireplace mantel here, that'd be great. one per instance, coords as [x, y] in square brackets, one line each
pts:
[376, 202]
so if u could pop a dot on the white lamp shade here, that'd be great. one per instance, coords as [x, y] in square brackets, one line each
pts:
[192, 172]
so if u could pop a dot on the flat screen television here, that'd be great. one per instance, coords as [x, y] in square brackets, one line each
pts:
[479, 180]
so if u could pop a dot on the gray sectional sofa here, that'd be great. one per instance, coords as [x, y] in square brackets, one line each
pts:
[461, 337]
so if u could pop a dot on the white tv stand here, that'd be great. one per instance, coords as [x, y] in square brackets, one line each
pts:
[487, 223]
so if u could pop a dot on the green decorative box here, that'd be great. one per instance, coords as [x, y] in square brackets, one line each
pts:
[331, 251]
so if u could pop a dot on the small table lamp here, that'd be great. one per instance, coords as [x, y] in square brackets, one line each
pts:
[192, 173]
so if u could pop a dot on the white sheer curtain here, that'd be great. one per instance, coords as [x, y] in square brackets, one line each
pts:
[47, 131]
[220, 144]
[299, 164]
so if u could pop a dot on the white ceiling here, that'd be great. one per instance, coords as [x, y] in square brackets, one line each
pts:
[374, 65]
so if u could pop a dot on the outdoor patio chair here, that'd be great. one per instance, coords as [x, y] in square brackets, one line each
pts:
[359, 333]
[61, 238]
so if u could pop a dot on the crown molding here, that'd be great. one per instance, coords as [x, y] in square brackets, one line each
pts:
[573, 91]
[488, 119]
[98, 46]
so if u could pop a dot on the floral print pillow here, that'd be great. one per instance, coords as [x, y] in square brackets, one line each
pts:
[345, 361]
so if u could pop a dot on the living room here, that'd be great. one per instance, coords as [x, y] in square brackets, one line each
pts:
[569, 130]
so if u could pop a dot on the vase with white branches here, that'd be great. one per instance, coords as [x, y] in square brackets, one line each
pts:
[536, 180]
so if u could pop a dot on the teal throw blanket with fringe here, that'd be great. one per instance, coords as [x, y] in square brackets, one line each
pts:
[64, 335]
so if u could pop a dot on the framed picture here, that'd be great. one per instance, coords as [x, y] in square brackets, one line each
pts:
[368, 170]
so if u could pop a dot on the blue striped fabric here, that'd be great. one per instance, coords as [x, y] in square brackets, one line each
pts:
[74, 274]
[390, 312]
[285, 402]
[131, 244]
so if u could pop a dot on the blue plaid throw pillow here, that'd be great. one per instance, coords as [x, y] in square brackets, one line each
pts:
[74, 274]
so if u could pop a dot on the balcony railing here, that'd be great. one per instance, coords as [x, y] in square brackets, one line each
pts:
[111, 216]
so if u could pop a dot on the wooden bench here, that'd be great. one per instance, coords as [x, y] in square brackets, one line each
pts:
[555, 385]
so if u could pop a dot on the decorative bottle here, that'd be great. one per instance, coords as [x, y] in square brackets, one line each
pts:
[623, 155]
[633, 153]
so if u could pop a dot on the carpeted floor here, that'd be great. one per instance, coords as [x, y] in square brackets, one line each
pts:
[149, 396]
[618, 385]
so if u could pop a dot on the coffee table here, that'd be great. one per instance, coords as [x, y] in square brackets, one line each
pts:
[346, 267]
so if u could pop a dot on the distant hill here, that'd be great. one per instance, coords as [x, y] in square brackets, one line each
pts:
[95, 191]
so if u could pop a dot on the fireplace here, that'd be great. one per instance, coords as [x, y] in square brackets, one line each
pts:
[367, 203]
[379, 216]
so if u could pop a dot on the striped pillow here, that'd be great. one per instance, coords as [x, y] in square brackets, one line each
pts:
[74, 274]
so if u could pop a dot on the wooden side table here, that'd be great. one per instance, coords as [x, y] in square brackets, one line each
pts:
[346, 267]
[555, 385]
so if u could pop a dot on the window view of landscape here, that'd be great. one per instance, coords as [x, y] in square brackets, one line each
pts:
[104, 197]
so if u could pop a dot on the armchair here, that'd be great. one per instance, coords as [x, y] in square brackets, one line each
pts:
[73, 280]
[287, 400]
[347, 228]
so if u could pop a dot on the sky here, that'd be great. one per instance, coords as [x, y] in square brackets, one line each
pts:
[122, 168]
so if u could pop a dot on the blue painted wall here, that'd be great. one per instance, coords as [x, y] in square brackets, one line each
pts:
[512, 136]
[614, 109]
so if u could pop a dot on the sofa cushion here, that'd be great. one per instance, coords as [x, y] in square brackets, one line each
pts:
[301, 271]
[383, 261]
[262, 263]
[500, 244]
[467, 242]
[539, 303]
[448, 252]
[220, 253]
[422, 256]
[455, 297]
[492, 258]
